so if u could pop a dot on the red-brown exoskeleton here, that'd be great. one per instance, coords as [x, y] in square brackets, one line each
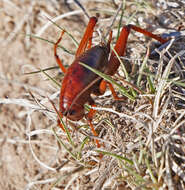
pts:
[79, 82]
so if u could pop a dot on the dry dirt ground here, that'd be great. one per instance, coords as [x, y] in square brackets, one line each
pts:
[25, 165]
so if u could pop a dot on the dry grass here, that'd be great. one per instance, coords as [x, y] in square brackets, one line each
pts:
[143, 136]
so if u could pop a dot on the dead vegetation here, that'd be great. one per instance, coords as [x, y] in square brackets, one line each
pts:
[143, 139]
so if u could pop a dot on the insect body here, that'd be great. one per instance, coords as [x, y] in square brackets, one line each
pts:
[79, 82]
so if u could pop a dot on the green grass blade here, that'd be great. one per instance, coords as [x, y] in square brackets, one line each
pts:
[150, 170]
[82, 146]
[63, 145]
[143, 66]
[151, 84]
[121, 63]
[115, 156]
[51, 42]
[67, 132]
[69, 34]
[53, 80]
[121, 18]
[41, 70]
[109, 79]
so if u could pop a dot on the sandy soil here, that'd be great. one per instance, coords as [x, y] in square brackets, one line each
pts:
[19, 53]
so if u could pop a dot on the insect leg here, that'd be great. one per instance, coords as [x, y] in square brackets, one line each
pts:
[121, 45]
[87, 37]
[59, 62]
[89, 118]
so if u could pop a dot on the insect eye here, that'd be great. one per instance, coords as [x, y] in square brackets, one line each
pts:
[71, 112]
